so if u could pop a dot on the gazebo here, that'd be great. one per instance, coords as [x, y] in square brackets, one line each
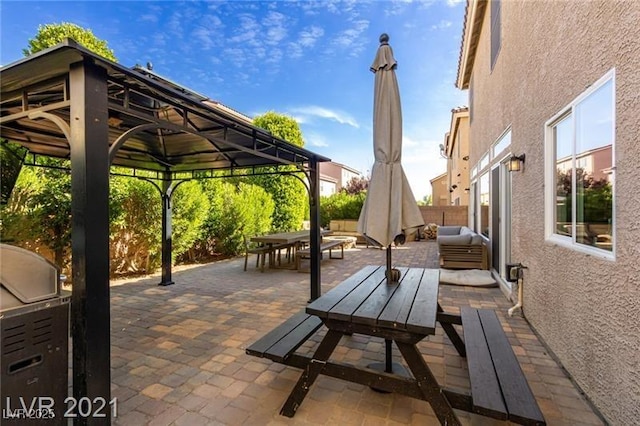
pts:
[67, 102]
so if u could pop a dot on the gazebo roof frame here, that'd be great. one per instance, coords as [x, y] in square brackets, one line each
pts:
[67, 102]
[154, 124]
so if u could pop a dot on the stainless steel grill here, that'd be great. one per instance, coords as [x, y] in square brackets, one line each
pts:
[34, 327]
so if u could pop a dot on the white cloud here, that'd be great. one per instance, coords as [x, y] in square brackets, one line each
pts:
[307, 113]
[248, 31]
[315, 139]
[351, 38]
[443, 24]
[307, 38]
[454, 3]
[235, 55]
[276, 31]
[397, 7]
[174, 26]
[149, 17]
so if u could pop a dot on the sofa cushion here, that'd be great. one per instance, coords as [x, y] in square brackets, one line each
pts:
[454, 239]
[449, 230]
[475, 239]
[466, 231]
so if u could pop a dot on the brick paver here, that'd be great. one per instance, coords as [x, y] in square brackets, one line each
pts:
[178, 357]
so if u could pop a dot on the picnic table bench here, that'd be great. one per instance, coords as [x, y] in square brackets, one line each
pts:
[328, 245]
[498, 386]
[282, 341]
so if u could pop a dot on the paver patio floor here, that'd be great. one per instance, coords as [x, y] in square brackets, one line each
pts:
[178, 352]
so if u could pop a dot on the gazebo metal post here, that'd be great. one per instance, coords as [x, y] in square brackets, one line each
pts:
[314, 222]
[90, 318]
[167, 190]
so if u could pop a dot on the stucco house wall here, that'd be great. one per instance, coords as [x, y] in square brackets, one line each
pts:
[440, 190]
[457, 151]
[340, 173]
[585, 308]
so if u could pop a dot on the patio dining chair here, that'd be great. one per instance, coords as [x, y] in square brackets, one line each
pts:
[261, 253]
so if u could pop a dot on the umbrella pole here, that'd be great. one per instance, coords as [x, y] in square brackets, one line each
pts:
[393, 277]
[388, 362]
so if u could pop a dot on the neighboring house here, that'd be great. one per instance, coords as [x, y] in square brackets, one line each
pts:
[440, 190]
[559, 81]
[335, 176]
[328, 185]
[456, 148]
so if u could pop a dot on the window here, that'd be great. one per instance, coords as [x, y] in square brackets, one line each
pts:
[502, 144]
[483, 205]
[580, 171]
[495, 30]
[484, 162]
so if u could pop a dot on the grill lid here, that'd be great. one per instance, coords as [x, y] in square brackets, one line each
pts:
[27, 276]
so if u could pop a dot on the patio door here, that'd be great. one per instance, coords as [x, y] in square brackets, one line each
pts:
[500, 218]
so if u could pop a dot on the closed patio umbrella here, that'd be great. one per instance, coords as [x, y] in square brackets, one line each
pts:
[390, 211]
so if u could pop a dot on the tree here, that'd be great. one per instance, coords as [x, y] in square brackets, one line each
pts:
[594, 199]
[47, 210]
[51, 34]
[281, 126]
[426, 201]
[288, 192]
[356, 185]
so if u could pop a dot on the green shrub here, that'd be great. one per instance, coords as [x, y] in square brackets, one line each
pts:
[341, 206]
[136, 226]
[235, 209]
[189, 212]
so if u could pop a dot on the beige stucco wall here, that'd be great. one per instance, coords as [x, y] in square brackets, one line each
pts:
[457, 167]
[440, 191]
[445, 215]
[586, 309]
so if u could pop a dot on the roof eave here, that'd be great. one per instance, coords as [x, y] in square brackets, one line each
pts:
[473, 19]
[457, 114]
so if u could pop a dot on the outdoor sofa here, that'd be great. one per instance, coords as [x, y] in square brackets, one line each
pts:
[461, 248]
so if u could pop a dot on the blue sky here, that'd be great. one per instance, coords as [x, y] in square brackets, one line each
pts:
[307, 59]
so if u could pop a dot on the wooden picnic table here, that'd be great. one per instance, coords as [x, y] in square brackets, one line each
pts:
[405, 313]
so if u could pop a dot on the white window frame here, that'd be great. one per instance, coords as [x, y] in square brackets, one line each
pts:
[550, 173]
[484, 162]
[503, 142]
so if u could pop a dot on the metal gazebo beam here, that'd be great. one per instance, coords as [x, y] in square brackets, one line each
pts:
[314, 222]
[90, 319]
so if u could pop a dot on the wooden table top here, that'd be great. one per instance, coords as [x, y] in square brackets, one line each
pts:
[365, 298]
[285, 237]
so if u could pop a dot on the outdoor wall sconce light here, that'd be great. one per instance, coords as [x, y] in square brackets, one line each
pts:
[515, 163]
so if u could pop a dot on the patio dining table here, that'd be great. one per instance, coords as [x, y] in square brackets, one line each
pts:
[284, 239]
